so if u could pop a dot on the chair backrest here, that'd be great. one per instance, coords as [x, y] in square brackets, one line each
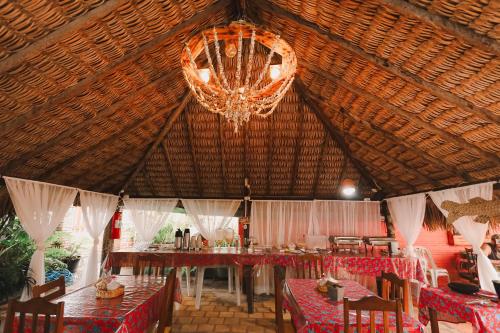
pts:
[373, 304]
[425, 256]
[394, 288]
[149, 264]
[51, 290]
[53, 316]
[167, 303]
[309, 266]
[471, 260]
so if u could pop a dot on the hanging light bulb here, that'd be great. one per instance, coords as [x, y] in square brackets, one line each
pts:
[274, 71]
[204, 74]
[348, 187]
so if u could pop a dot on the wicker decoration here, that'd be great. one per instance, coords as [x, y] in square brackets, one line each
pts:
[241, 97]
[484, 210]
[103, 291]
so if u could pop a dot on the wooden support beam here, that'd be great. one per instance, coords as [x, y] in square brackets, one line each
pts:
[297, 150]
[161, 136]
[79, 23]
[459, 31]
[145, 172]
[399, 141]
[132, 56]
[270, 149]
[411, 117]
[319, 165]
[77, 128]
[170, 169]
[411, 78]
[196, 167]
[323, 118]
[222, 154]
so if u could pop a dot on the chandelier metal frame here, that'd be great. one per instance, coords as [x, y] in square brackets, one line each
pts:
[238, 101]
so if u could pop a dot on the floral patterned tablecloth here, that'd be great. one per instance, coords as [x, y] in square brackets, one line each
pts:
[452, 306]
[133, 312]
[406, 268]
[314, 312]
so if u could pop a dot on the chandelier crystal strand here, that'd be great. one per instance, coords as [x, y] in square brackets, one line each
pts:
[234, 99]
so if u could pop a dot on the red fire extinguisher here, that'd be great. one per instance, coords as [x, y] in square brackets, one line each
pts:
[116, 225]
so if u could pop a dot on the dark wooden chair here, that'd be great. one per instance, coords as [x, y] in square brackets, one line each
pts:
[394, 288]
[373, 304]
[167, 304]
[51, 290]
[309, 266]
[35, 307]
[149, 264]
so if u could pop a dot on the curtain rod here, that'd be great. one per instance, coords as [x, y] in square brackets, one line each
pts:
[39, 182]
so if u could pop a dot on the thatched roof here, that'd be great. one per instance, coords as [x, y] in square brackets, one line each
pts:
[92, 96]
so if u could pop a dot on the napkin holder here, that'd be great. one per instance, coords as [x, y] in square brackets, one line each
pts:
[107, 288]
[335, 291]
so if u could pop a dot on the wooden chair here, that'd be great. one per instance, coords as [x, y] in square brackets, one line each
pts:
[394, 288]
[309, 266]
[149, 264]
[471, 266]
[35, 307]
[52, 289]
[372, 304]
[167, 304]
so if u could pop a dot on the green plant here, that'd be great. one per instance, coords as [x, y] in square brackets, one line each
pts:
[52, 264]
[165, 235]
[16, 249]
[57, 253]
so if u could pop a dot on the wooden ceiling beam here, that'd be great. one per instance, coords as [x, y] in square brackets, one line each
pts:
[100, 145]
[222, 154]
[132, 56]
[407, 76]
[297, 151]
[169, 168]
[161, 136]
[319, 165]
[400, 141]
[459, 31]
[411, 117]
[332, 131]
[196, 167]
[148, 179]
[80, 22]
[77, 128]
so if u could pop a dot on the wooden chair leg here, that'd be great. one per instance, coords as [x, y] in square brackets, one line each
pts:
[433, 320]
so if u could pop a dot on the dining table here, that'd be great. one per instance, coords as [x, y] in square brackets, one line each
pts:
[133, 312]
[248, 260]
[481, 309]
[313, 311]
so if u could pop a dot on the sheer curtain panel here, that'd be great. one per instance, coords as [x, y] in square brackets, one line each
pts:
[210, 215]
[40, 208]
[97, 209]
[408, 214]
[474, 233]
[148, 216]
[346, 218]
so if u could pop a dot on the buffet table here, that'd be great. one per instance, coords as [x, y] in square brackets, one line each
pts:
[356, 264]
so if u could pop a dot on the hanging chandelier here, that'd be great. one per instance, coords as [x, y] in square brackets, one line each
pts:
[247, 87]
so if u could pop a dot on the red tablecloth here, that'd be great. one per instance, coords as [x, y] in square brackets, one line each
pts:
[451, 306]
[133, 312]
[356, 264]
[314, 312]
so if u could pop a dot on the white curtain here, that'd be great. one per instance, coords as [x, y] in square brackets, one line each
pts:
[148, 216]
[346, 218]
[473, 232]
[40, 208]
[408, 214]
[275, 223]
[210, 215]
[97, 210]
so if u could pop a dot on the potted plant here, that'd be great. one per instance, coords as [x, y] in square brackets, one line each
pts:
[56, 249]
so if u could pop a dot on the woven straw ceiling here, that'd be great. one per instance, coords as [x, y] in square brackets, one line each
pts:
[92, 96]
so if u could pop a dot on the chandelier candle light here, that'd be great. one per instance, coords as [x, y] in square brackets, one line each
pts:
[239, 98]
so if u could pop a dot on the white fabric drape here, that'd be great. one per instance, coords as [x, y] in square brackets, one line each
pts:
[148, 216]
[473, 232]
[97, 210]
[210, 215]
[40, 208]
[275, 223]
[408, 214]
[346, 218]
